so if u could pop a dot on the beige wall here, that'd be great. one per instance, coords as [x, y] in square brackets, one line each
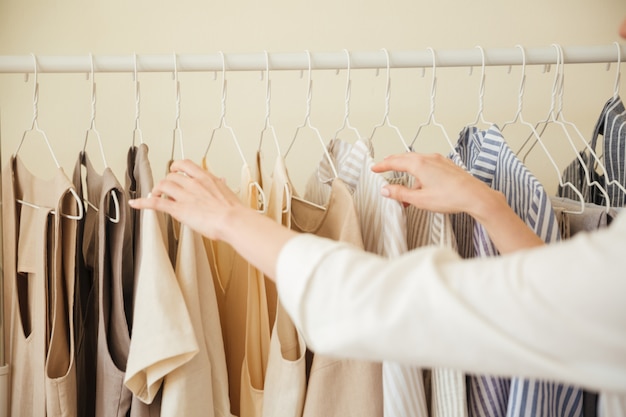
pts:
[71, 27]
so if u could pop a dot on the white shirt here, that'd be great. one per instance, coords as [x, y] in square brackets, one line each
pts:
[555, 313]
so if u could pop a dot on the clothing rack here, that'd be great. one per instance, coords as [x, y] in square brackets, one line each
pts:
[318, 60]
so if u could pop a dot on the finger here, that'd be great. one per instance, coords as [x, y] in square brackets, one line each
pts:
[190, 168]
[152, 203]
[401, 163]
[397, 192]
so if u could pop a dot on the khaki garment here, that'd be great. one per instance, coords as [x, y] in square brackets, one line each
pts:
[139, 182]
[198, 388]
[39, 270]
[338, 387]
[285, 379]
[162, 334]
[242, 303]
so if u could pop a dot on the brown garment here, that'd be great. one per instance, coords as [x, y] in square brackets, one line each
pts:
[39, 283]
[338, 387]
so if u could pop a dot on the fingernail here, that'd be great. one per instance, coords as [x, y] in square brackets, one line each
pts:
[385, 192]
[132, 202]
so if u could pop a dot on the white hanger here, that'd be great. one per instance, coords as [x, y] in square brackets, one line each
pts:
[534, 134]
[481, 92]
[178, 132]
[431, 117]
[346, 118]
[618, 72]
[268, 95]
[555, 116]
[35, 127]
[222, 124]
[137, 129]
[92, 128]
[560, 118]
[616, 89]
[386, 115]
[307, 123]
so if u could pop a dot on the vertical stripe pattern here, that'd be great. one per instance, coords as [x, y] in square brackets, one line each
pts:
[488, 157]
[384, 228]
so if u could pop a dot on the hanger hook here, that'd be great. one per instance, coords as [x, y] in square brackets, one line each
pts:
[481, 89]
[348, 85]
[618, 73]
[522, 84]
[388, 86]
[309, 91]
[433, 86]
[35, 90]
[137, 129]
[93, 92]
[268, 92]
[557, 78]
[223, 115]
[177, 128]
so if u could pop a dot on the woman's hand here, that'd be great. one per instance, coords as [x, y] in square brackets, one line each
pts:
[204, 202]
[194, 197]
[442, 186]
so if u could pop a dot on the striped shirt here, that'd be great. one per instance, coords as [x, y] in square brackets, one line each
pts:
[489, 158]
[612, 126]
[384, 230]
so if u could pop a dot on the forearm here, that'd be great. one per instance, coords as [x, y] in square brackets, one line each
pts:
[507, 230]
[255, 237]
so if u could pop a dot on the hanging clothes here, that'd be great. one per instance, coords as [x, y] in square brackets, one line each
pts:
[39, 273]
[488, 157]
[384, 229]
[163, 338]
[445, 387]
[338, 387]
[240, 287]
[285, 378]
[108, 275]
[610, 126]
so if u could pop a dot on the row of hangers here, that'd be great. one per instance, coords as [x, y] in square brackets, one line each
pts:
[555, 116]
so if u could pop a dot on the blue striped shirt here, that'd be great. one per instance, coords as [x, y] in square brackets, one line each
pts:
[487, 156]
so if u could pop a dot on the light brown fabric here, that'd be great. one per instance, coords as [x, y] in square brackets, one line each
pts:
[338, 387]
[285, 378]
[42, 332]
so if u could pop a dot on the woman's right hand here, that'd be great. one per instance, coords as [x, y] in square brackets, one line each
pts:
[440, 185]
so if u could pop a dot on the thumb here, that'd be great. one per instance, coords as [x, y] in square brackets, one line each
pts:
[397, 192]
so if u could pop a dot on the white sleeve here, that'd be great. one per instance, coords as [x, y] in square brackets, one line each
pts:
[556, 313]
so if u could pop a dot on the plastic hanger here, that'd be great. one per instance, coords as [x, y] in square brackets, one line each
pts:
[307, 123]
[385, 120]
[534, 134]
[431, 117]
[222, 124]
[92, 128]
[346, 118]
[35, 128]
[137, 129]
[177, 130]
